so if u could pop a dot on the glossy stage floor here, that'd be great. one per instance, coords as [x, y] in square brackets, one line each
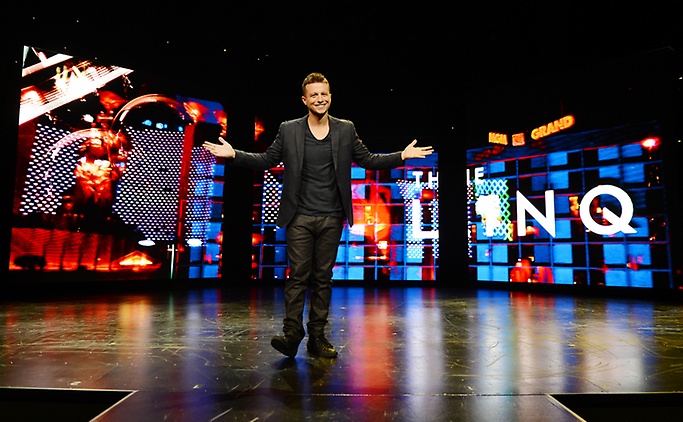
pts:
[406, 353]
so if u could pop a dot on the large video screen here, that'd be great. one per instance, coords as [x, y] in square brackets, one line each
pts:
[568, 206]
[395, 235]
[111, 179]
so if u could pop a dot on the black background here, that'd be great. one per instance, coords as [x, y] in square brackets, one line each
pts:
[445, 75]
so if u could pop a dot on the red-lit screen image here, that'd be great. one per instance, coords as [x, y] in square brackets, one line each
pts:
[111, 180]
[396, 231]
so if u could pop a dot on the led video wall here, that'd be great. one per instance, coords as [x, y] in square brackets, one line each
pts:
[112, 181]
[568, 207]
[395, 235]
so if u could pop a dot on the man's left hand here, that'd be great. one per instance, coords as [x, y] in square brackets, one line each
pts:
[412, 151]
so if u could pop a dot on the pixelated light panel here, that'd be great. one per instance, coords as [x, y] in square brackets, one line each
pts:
[586, 208]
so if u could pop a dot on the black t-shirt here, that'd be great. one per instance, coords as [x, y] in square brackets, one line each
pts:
[319, 194]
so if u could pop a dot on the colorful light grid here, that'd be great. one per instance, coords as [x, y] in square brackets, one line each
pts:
[570, 166]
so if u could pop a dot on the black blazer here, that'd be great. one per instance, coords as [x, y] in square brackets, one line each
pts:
[288, 148]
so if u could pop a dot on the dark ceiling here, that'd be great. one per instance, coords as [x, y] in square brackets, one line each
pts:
[394, 69]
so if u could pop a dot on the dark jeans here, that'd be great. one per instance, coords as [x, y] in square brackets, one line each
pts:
[312, 244]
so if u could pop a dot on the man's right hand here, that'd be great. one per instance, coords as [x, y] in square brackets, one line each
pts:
[224, 149]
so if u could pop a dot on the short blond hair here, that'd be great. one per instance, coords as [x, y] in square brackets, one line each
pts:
[313, 78]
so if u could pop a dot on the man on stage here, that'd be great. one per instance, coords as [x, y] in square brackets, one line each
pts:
[317, 151]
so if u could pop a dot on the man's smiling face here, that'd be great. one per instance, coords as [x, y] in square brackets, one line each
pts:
[317, 98]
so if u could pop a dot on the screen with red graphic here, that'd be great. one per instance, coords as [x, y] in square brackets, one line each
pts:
[396, 231]
[112, 182]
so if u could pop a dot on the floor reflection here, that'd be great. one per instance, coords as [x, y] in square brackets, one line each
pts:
[420, 351]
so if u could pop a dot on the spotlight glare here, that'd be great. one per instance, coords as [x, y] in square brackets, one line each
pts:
[650, 142]
[194, 242]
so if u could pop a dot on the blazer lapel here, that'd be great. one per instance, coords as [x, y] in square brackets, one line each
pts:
[299, 140]
[334, 137]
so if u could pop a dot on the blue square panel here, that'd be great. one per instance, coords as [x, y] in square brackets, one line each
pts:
[357, 172]
[641, 279]
[563, 229]
[614, 254]
[559, 179]
[615, 278]
[632, 150]
[500, 253]
[562, 254]
[608, 153]
[557, 159]
[542, 254]
[413, 273]
[609, 172]
[563, 275]
[639, 253]
[634, 173]
[496, 167]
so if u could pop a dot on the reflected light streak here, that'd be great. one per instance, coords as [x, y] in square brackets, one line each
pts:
[374, 342]
[517, 331]
[492, 354]
[536, 340]
[425, 351]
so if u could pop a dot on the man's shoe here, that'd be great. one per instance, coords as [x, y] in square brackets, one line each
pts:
[287, 345]
[319, 346]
